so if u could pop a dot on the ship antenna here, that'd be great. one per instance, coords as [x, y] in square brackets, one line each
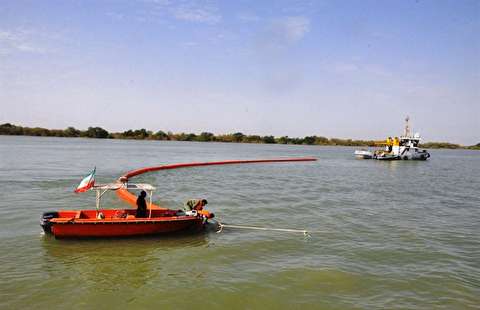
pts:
[407, 127]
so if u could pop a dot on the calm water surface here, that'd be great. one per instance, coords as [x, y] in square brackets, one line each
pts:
[396, 235]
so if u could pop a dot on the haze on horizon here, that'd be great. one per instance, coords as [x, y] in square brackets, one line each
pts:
[346, 69]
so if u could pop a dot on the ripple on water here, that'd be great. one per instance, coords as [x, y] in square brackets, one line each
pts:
[385, 239]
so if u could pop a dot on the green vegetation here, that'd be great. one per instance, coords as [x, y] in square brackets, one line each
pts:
[238, 137]
[441, 145]
[474, 147]
[447, 145]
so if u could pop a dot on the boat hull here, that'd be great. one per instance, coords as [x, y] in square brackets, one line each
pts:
[363, 154]
[127, 228]
[387, 157]
[118, 223]
[384, 155]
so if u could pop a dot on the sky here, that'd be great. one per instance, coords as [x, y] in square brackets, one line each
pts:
[345, 69]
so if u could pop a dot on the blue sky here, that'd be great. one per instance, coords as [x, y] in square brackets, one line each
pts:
[348, 69]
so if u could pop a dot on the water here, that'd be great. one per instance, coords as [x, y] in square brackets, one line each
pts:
[394, 234]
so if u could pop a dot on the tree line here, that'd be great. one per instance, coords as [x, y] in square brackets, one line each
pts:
[238, 137]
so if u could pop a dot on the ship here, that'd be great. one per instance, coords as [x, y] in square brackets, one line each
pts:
[405, 147]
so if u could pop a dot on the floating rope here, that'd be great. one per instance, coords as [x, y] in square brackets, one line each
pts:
[303, 231]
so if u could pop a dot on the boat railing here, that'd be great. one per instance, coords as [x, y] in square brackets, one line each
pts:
[101, 189]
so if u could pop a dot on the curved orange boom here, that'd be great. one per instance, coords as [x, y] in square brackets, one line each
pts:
[131, 199]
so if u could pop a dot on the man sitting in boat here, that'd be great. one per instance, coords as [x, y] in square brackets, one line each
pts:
[141, 205]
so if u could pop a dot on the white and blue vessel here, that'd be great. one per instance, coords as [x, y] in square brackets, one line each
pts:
[403, 148]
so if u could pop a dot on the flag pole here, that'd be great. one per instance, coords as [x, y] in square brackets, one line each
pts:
[97, 202]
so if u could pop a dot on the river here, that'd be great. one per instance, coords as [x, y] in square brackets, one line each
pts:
[395, 235]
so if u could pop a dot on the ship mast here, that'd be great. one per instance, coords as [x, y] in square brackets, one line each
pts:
[407, 127]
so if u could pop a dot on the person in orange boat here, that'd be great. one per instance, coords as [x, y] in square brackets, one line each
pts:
[196, 204]
[141, 205]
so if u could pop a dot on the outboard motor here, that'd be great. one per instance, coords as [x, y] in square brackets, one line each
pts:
[45, 221]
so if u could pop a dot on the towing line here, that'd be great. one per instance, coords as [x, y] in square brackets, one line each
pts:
[306, 233]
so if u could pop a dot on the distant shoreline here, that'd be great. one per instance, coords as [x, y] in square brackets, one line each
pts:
[238, 137]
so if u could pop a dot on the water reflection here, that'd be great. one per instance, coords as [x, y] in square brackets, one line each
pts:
[110, 264]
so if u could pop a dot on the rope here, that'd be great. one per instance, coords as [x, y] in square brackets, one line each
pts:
[305, 232]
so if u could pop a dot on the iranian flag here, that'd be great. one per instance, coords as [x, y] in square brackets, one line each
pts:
[86, 183]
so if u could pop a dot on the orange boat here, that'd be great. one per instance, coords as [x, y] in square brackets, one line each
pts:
[86, 224]
[123, 222]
